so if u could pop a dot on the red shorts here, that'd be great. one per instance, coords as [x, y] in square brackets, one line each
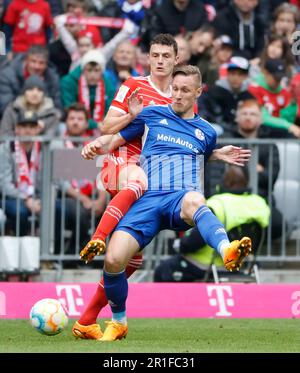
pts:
[110, 172]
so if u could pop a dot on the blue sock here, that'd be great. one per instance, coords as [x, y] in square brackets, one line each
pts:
[211, 229]
[116, 290]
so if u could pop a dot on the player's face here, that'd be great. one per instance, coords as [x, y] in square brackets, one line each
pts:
[162, 60]
[185, 91]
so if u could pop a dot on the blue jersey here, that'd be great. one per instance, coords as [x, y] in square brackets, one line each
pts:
[174, 149]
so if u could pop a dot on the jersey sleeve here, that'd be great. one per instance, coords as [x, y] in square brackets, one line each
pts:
[119, 102]
[134, 129]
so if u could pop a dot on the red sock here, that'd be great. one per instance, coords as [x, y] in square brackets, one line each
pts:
[99, 299]
[117, 208]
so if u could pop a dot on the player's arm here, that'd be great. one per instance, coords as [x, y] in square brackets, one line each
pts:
[231, 154]
[102, 145]
[115, 120]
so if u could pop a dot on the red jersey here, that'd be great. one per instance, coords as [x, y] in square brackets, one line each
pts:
[272, 101]
[151, 96]
[29, 21]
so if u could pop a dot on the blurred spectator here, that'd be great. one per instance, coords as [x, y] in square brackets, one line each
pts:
[173, 17]
[184, 51]
[193, 257]
[58, 51]
[13, 76]
[272, 97]
[142, 62]
[221, 54]
[123, 62]
[291, 112]
[89, 85]
[240, 21]
[79, 8]
[77, 45]
[220, 103]
[28, 22]
[201, 42]
[265, 9]
[276, 47]
[84, 190]
[285, 21]
[34, 100]
[129, 9]
[20, 175]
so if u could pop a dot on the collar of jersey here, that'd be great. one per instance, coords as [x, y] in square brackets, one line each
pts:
[158, 90]
[196, 117]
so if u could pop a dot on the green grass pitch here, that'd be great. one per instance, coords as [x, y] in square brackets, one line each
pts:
[164, 335]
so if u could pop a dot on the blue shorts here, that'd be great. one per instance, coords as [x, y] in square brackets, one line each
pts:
[155, 211]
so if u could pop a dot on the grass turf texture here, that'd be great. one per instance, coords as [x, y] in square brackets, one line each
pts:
[164, 335]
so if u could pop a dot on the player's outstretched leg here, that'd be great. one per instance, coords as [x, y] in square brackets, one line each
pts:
[86, 327]
[236, 252]
[194, 209]
[114, 212]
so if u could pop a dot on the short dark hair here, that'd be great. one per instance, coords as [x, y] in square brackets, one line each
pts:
[77, 106]
[165, 39]
[188, 70]
[38, 49]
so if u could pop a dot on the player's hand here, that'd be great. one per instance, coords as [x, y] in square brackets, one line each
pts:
[233, 155]
[135, 103]
[91, 150]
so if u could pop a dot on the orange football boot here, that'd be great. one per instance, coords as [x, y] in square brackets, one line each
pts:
[92, 331]
[236, 252]
[93, 248]
[114, 331]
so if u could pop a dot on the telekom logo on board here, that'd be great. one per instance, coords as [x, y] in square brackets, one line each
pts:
[70, 296]
[221, 297]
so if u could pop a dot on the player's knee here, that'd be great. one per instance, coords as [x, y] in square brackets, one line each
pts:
[192, 202]
[113, 263]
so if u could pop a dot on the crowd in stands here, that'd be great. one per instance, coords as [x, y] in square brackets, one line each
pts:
[64, 64]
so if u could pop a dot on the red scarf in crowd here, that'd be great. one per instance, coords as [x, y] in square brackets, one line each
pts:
[27, 171]
[84, 98]
[84, 186]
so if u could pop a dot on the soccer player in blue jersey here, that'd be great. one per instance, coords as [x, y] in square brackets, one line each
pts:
[176, 144]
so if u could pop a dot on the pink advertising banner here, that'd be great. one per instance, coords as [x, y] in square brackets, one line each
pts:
[162, 300]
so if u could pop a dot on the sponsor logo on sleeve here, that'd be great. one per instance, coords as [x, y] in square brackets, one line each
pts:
[122, 92]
